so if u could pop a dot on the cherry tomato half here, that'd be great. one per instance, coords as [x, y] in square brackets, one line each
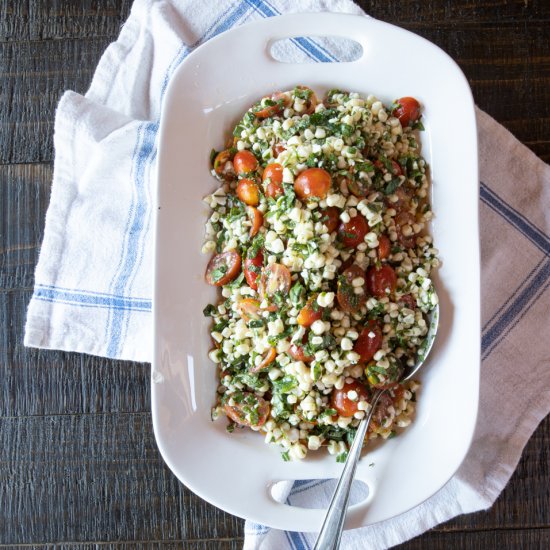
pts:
[256, 218]
[251, 411]
[382, 281]
[369, 340]
[358, 187]
[352, 233]
[331, 218]
[252, 269]
[277, 149]
[311, 101]
[389, 379]
[267, 359]
[408, 300]
[249, 309]
[384, 247]
[312, 182]
[396, 168]
[298, 353]
[310, 313]
[223, 268]
[245, 162]
[248, 192]
[275, 278]
[407, 110]
[381, 411]
[221, 166]
[341, 401]
[281, 100]
[349, 300]
[273, 179]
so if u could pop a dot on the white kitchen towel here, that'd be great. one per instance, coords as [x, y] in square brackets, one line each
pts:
[93, 280]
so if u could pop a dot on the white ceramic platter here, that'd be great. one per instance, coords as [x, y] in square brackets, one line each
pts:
[207, 95]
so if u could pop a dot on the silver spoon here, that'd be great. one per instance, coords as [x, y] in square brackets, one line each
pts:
[331, 531]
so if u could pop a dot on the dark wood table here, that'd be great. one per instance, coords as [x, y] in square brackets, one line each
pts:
[79, 467]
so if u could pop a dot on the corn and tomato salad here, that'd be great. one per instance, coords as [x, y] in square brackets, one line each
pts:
[318, 242]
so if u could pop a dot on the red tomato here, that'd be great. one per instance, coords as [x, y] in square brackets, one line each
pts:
[359, 188]
[249, 309]
[408, 300]
[251, 411]
[278, 148]
[244, 162]
[248, 192]
[384, 247]
[310, 313]
[274, 173]
[369, 340]
[383, 381]
[331, 218]
[407, 110]
[275, 278]
[345, 264]
[281, 101]
[382, 281]
[222, 158]
[312, 182]
[268, 358]
[381, 411]
[348, 300]
[223, 268]
[252, 269]
[298, 353]
[352, 233]
[396, 168]
[341, 401]
[257, 219]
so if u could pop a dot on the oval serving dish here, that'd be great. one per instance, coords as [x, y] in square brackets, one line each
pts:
[203, 102]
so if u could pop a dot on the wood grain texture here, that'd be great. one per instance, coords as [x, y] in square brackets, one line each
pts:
[216, 544]
[79, 467]
[39, 20]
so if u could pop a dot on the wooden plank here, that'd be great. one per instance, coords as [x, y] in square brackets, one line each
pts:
[531, 539]
[41, 382]
[39, 20]
[24, 197]
[216, 544]
[95, 478]
[34, 76]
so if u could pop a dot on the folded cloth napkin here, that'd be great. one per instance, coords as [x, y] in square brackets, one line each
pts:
[93, 280]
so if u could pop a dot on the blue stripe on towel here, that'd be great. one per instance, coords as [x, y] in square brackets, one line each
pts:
[137, 230]
[77, 298]
[520, 222]
[132, 249]
[513, 309]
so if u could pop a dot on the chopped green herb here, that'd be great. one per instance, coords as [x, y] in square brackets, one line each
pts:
[209, 310]
[218, 273]
[342, 457]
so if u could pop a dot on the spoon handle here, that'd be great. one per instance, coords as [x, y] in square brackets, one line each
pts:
[331, 531]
